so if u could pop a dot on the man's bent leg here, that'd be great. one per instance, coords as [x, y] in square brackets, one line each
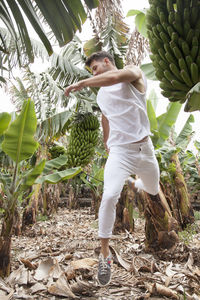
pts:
[148, 171]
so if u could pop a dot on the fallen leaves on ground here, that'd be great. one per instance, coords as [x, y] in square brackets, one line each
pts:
[58, 258]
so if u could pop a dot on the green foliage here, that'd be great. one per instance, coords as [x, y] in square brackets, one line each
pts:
[19, 141]
[161, 126]
[197, 215]
[4, 121]
[42, 218]
[140, 20]
[186, 236]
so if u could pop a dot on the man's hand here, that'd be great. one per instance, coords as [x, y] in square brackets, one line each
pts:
[74, 87]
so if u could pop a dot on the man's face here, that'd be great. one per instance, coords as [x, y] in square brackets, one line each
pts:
[99, 66]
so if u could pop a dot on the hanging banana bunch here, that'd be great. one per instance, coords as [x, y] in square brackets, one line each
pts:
[83, 139]
[174, 37]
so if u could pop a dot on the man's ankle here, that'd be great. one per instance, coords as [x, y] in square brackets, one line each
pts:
[105, 252]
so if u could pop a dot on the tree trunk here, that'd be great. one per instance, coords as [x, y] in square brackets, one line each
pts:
[30, 212]
[160, 225]
[5, 244]
[50, 198]
[124, 212]
[96, 200]
[182, 196]
[5, 255]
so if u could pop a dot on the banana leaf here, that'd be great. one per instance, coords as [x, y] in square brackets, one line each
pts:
[59, 176]
[5, 179]
[92, 3]
[30, 177]
[140, 20]
[55, 163]
[193, 99]
[184, 137]
[54, 125]
[149, 71]
[4, 121]
[166, 121]
[19, 141]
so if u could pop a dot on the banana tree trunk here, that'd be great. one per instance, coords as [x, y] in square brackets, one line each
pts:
[30, 212]
[5, 244]
[124, 212]
[96, 200]
[182, 196]
[160, 225]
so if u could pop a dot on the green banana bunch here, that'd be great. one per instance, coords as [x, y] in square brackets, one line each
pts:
[174, 35]
[83, 138]
[56, 151]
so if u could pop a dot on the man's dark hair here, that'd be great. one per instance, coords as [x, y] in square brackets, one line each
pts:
[99, 56]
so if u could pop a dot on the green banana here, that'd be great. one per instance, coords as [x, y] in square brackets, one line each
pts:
[175, 71]
[186, 78]
[190, 36]
[170, 58]
[182, 65]
[189, 61]
[164, 37]
[82, 140]
[194, 73]
[185, 47]
[186, 27]
[168, 75]
[194, 52]
[179, 86]
[174, 38]
[170, 6]
[177, 53]
[194, 15]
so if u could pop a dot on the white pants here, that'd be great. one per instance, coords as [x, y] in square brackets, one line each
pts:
[123, 161]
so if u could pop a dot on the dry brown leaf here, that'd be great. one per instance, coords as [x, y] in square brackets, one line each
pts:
[141, 264]
[70, 272]
[195, 297]
[80, 286]
[28, 264]
[190, 261]
[68, 256]
[3, 295]
[38, 287]
[196, 271]
[19, 276]
[55, 270]
[61, 288]
[168, 280]
[43, 269]
[85, 263]
[169, 271]
[165, 291]
[125, 264]
[4, 286]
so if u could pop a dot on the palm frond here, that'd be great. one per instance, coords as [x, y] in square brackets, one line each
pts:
[11, 58]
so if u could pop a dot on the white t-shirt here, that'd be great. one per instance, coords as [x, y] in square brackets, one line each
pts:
[125, 108]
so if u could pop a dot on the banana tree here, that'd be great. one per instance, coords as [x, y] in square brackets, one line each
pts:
[176, 211]
[19, 144]
[190, 163]
[63, 17]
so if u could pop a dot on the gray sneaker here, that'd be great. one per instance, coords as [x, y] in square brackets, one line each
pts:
[104, 270]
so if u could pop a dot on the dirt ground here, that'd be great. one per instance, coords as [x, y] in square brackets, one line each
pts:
[57, 259]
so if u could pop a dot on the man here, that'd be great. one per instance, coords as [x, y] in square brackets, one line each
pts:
[126, 131]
